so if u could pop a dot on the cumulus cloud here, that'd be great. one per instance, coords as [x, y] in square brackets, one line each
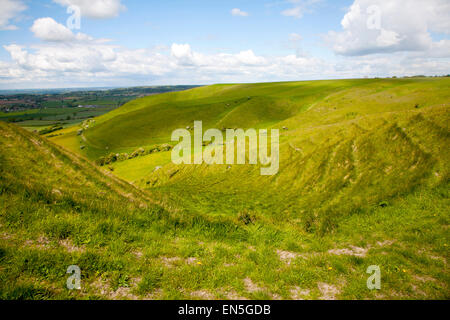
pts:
[77, 62]
[249, 58]
[379, 26]
[48, 29]
[98, 62]
[239, 13]
[181, 50]
[68, 59]
[9, 10]
[184, 56]
[96, 9]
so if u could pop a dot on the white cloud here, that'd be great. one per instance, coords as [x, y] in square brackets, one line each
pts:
[239, 13]
[438, 12]
[56, 63]
[9, 10]
[249, 58]
[97, 62]
[97, 9]
[70, 59]
[181, 51]
[48, 29]
[300, 8]
[184, 55]
[66, 59]
[295, 12]
[380, 26]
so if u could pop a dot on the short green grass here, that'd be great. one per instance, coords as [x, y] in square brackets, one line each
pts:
[363, 181]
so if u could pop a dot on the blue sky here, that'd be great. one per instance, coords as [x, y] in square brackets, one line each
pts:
[131, 42]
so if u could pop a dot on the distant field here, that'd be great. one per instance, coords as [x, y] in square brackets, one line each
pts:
[43, 109]
[37, 119]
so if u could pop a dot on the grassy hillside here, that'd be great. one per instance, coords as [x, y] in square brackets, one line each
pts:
[363, 180]
[152, 119]
[57, 210]
[349, 145]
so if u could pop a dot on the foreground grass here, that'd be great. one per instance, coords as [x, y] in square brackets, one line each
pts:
[57, 209]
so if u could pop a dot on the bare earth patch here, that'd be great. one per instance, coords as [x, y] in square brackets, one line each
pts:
[424, 278]
[192, 260]
[5, 236]
[228, 265]
[172, 261]
[203, 295]
[353, 251]
[299, 294]
[56, 192]
[104, 289]
[287, 256]
[169, 262]
[123, 293]
[41, 243]
[328, 291]
[438, 258]
[417, 290]
[233, 295]
[250, 286]
[385, 243]
[70, 247]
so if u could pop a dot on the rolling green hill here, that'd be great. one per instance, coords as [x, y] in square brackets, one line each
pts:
[363, 180]
[152, 119]
[347, 145]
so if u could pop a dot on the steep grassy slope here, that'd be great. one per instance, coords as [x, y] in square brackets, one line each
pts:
[349, 145]
[326, 172]
[151, 120]
[363, 180]
[56, 210]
